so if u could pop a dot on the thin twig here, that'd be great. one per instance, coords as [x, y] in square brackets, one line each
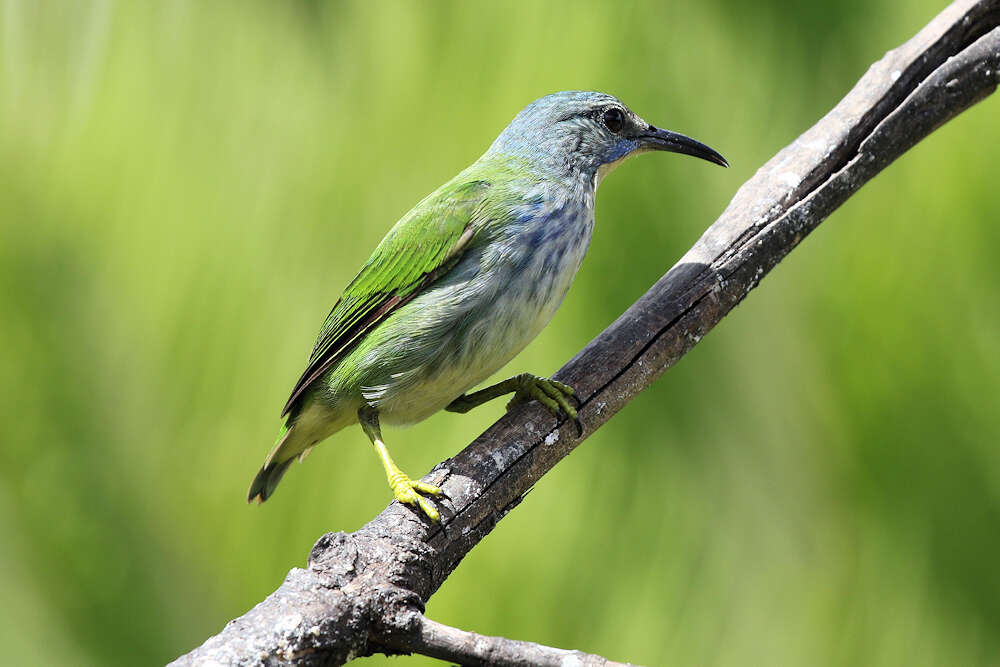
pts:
[468, 648]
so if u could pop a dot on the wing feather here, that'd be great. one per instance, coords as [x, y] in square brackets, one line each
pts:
[422, 247]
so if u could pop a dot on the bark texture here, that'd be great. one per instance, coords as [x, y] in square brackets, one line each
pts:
[364, 592]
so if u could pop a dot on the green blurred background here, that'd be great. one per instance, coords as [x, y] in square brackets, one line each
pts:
[187, 186]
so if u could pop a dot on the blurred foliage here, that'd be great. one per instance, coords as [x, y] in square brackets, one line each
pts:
[188, 185]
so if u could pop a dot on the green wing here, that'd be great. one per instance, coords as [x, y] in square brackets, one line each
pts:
[422, 247]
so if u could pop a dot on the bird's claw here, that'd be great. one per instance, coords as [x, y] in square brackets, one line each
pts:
[552, 394]
[408, 491]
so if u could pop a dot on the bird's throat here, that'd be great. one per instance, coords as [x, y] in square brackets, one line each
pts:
[609, 167]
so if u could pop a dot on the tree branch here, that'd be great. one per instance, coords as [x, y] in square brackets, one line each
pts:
[468, 648]
[364, 592]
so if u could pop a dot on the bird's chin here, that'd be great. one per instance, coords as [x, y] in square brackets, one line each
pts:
[609, 167]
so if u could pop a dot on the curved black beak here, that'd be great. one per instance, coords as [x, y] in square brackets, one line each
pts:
[664, 140]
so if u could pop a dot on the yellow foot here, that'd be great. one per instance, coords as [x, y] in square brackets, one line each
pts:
[552, 394]
[408, 491]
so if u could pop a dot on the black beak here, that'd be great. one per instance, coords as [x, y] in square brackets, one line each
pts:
[664, 140]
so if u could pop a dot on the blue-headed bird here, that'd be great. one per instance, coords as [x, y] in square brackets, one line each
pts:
[463, 282]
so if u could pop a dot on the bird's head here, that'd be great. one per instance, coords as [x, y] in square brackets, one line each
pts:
[588, 133]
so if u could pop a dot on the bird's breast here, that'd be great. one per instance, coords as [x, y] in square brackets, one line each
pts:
[528, 271]
[538, 263]
[489, 307]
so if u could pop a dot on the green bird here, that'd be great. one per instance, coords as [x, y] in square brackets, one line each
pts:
[463, 282]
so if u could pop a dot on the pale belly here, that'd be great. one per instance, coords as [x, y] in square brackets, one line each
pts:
[465, 361]
[458, 334]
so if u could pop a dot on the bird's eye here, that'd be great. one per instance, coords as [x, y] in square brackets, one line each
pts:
[614, 120]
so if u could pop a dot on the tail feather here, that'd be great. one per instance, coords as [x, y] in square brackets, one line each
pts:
[313, 424]
[267, 479]
[285, 451]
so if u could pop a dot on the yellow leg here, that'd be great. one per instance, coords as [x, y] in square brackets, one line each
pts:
[405, 489]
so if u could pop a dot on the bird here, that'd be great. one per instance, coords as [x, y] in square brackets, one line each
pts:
[462, 283]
